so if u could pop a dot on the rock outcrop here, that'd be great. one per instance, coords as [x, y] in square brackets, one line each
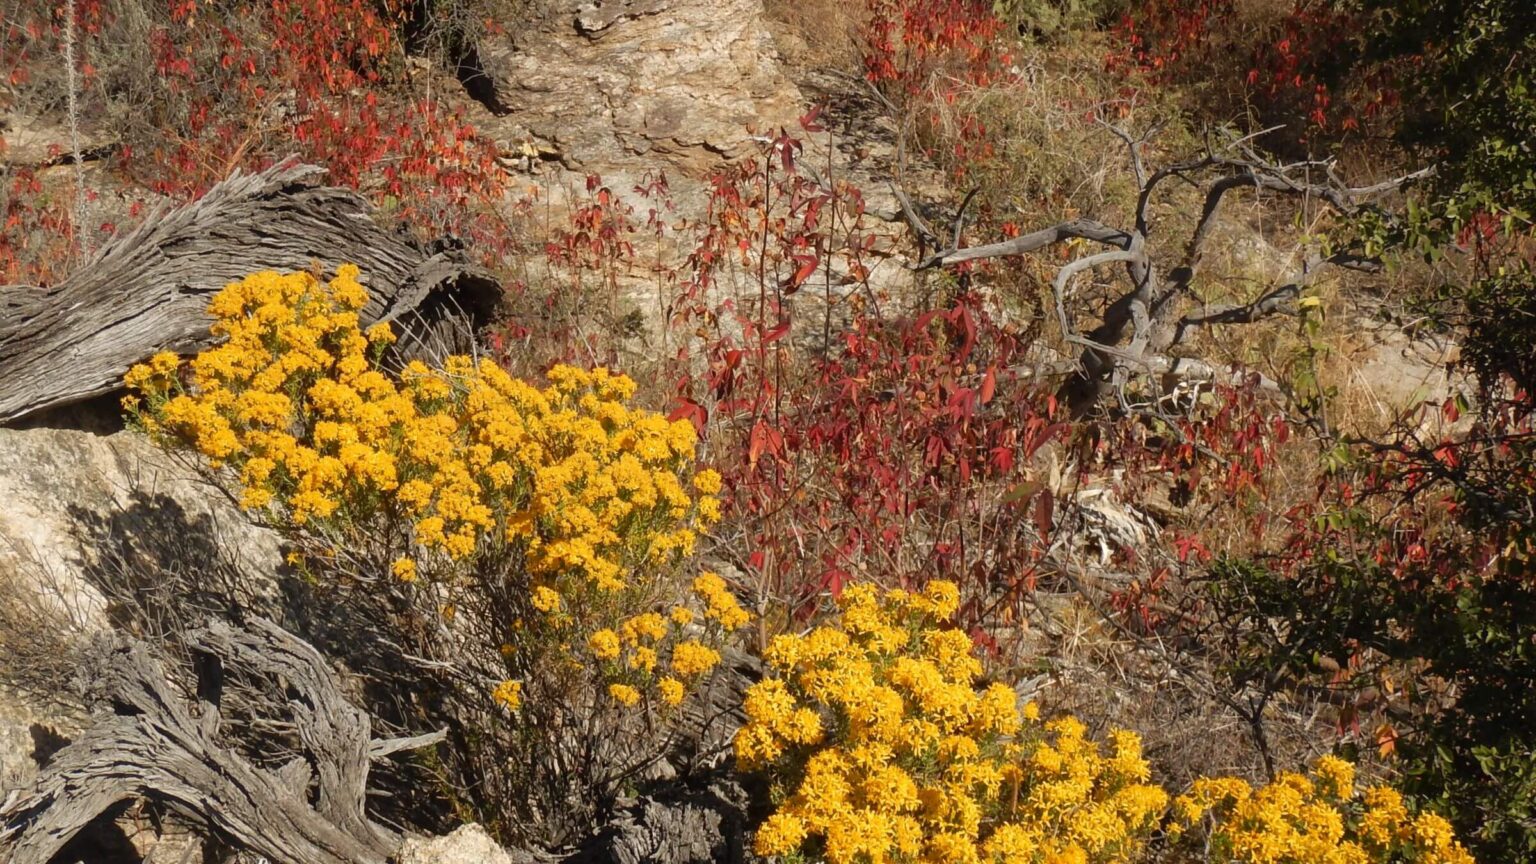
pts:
[80, 508]
[88, 520]
[642, 84]
[467, 844]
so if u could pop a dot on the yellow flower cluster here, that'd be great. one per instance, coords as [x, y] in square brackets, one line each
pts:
[1317, 819]
[669, 653]
[509, 694]
[880, 747]
[471, 459]
[444, 473]
[719, 603]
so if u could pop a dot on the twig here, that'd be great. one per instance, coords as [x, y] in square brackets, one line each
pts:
[82, 233]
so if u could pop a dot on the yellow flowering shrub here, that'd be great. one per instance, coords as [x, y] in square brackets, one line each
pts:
[438, 477]
[509, 694]
[1316, 819]
[471, 458]
[879, 747]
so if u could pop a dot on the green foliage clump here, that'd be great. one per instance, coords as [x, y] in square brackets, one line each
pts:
[1441, 617]
[1468, 75]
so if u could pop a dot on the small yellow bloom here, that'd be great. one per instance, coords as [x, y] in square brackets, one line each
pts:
[692, 658]
[781, 834]
[1336, 776]
[672, 691]
[720, 603]
[707, 481]
[624, 694]
[380, 334]
[604, 644]
[404, 569]
[643, 658]
[647, 626]
[545, 599]
[509, 694]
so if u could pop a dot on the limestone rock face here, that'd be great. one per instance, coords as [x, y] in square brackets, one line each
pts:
[467, 844]
[77, 505]
[643, 83]
[28, 727]
[85, 521]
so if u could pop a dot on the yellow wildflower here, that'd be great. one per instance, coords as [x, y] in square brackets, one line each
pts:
[604, 644]
[509, 694]
[448, 464]
[720, 603]
[545, 599]
[1301, 818]
[379, 334]
[916, 756]
[692, 658]
[404, 569]
[643, 658]
[672, 691]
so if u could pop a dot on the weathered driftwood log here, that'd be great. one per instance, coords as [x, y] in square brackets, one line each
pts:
[148, 290]
[149, 742]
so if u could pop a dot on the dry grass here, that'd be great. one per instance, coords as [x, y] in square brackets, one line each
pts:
[1052, 158]
[41, 631]
[820, 35]
[1089, 665]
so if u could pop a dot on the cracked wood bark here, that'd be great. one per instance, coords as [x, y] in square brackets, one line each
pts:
[148, 742]
[148, 290]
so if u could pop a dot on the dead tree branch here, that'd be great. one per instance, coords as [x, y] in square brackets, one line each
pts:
[1086, 229]
[1272, 303]
[1139, 327]
[1063, 281]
